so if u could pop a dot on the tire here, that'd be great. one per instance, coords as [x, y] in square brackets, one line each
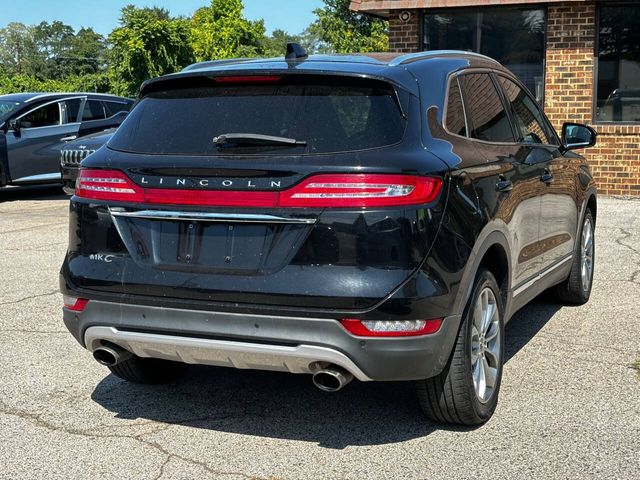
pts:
[576, 290]
[152, 371]
[452, 396]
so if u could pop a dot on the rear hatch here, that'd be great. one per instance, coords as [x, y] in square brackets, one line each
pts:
[286, 190]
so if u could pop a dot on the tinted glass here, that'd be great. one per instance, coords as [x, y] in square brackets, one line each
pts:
[512, 36]
[455, 111]
[618, 90]
[93, 110]
[114, 107]
[46, 116]
[70, 110]
[529, 120]
[329, 118]
[6, 107]
[489, 120]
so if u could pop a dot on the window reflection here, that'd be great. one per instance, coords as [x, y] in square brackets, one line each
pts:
[512, 36]
[618, 97]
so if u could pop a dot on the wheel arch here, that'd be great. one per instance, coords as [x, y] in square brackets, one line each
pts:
[492, 251]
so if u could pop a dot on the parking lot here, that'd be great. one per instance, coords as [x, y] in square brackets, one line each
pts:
[569, 406]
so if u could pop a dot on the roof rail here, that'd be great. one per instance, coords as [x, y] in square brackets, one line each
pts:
[412, 57]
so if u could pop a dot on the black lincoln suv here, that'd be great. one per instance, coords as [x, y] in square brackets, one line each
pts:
[377, 217]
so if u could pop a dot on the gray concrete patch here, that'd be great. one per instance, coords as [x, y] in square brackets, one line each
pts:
[569, 406]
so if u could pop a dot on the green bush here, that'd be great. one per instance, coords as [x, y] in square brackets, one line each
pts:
[98, 82]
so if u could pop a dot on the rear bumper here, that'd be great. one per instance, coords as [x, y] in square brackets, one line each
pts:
[294, 344]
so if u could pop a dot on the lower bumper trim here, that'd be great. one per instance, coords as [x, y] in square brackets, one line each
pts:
[223, 353]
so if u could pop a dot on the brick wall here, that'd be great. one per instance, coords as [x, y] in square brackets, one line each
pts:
[569, 89]
[404, 34]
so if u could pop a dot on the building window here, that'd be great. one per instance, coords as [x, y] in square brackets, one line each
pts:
[618, 75]
[513, 36]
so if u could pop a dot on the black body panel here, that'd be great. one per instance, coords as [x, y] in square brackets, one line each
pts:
[511, 206]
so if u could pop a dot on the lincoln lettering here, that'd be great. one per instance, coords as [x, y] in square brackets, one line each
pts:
[211, 183]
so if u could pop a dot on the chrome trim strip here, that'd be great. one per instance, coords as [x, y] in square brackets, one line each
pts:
[517, 291]
[209, 217]
[41, 177]
[224, 353]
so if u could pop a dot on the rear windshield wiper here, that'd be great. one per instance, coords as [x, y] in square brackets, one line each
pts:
[242, 139]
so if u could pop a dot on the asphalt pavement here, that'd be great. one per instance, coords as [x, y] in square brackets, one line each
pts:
[569, 406]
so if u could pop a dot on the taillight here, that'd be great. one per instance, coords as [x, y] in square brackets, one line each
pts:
[107, 185]
[361, 190]
[73, 303]
[391, 328]
[317, 191]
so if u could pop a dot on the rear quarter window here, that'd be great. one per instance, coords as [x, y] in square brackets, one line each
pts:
[328, 117]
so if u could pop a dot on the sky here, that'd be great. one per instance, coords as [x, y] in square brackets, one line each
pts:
[293, 16]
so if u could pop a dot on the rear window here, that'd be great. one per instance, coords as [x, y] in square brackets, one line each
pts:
[329, 118]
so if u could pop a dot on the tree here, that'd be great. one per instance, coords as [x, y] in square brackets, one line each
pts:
[346, 32]
[148, 43]
[18, 50]
[64, 53]
[220, 31]
[275, 45]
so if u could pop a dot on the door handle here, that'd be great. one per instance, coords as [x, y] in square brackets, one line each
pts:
[69, 138]
[504, 185]
[547, 177]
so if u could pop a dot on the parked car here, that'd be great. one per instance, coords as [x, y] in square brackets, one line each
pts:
[378, 217]
[35, 126]
[73, 152]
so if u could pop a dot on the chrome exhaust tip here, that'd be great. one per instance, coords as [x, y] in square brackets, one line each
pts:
[331, 379]
[110, 355]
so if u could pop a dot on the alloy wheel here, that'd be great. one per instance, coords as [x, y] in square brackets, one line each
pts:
[486, 345]
[586, 251]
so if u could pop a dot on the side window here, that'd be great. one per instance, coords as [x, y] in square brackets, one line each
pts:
[46, 116]
[455, 121]
[529, 120]
[93, 110]
[485, 110]
[115, 107]
[70, 110]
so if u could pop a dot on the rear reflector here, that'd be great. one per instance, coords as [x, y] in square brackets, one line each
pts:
[391, 328]
[317, 191]
[73, 303]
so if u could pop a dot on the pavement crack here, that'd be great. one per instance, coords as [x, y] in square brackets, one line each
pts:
[635, 275]
[164, 464]
[38, 420]
[31, 297]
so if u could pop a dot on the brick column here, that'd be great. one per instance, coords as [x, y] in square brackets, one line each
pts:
[570, 93]
[404, 34]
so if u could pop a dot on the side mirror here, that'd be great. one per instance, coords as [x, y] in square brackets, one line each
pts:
[14, 125]
[576, 135]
